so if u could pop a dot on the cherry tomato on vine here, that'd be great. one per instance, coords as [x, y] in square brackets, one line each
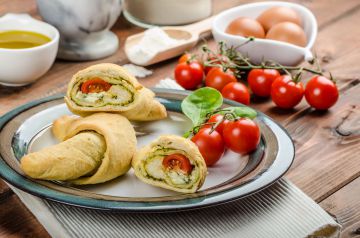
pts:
[237, 92]
[185, 58]
[260, 81]
[211, 145]
[217, 78]
[241, 136]
[216, 61]
[189, 74]
[216, 118]
[321, 93]
[286, 93]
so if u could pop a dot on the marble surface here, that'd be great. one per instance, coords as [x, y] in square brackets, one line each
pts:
[83, 25]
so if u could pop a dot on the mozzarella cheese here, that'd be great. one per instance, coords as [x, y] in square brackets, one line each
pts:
[155, 169]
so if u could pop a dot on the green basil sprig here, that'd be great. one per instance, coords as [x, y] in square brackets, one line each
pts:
[201, 102]
[204, 102]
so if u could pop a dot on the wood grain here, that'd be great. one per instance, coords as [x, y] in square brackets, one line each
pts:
[17, 222]
[5, 191]
[345, 203]
[327, 144]
[326, 147]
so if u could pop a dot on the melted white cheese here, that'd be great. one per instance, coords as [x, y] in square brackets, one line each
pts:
[155, 169]
[90, 97]
[115, 94]
[178, 177]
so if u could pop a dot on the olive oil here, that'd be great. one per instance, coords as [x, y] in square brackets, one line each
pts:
[22, 39]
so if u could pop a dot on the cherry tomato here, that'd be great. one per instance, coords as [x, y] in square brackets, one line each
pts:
[260, 81]
[208, 68]
[214, 119]
[184, 58]
[211, 145]
[241, 136]
[217, 78]
[95, 85]
[285, 93]
[177, 162]
[321, 93]
[216, 61]
[189, 74]
[236, 91]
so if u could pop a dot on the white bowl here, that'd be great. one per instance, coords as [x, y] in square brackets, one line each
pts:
[264, 49]
[23, 66]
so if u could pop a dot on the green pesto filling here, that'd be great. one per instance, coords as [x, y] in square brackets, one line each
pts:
[124, 84]
[161, 152]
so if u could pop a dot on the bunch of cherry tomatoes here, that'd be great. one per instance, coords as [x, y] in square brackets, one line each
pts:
[285, 90]
[241, 136]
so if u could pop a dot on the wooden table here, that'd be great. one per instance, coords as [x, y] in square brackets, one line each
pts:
[327, 163]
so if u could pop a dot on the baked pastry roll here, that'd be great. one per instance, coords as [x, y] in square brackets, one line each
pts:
[95, 149]
[110, 88]
[171, 162]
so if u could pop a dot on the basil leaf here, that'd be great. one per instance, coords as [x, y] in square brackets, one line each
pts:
[241, 111]
[200, 102]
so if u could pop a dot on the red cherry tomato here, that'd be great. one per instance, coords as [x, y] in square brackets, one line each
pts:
[95, 85]
[177, 162]
[217, 78]
[189, 75]
[211, 145]
[237, 92]
[207, 69]
[321, 93]
[285, 93]
[184, 58]
[214, 119]
[241, 136]
[216, 61]
[260, 81]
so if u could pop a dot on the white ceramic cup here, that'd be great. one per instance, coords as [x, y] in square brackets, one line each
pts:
[19, 67]
[264, 49]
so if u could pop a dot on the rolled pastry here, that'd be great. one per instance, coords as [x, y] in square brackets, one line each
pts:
[171, 162]
[95, 149]
[110, 88]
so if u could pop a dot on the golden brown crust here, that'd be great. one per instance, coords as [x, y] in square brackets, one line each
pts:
[79, 156]
[119, 142]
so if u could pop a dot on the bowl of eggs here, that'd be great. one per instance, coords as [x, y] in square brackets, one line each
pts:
[282, 32]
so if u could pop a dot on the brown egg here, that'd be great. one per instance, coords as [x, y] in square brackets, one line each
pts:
[287, 32]
[246, 27]
[275, 15]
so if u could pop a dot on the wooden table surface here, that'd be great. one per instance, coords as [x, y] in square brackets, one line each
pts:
[327, 163]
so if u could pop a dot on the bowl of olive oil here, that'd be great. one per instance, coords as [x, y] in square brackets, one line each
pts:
[15, 39]
[28, 48]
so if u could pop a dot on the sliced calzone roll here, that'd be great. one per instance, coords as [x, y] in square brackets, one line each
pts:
[94, 149]
[171, 162]
[110, 88]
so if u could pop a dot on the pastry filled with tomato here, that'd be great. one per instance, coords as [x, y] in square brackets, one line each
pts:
[171, 162]
[110, 88]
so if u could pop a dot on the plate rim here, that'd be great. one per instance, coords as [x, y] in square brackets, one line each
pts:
[99, 204]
